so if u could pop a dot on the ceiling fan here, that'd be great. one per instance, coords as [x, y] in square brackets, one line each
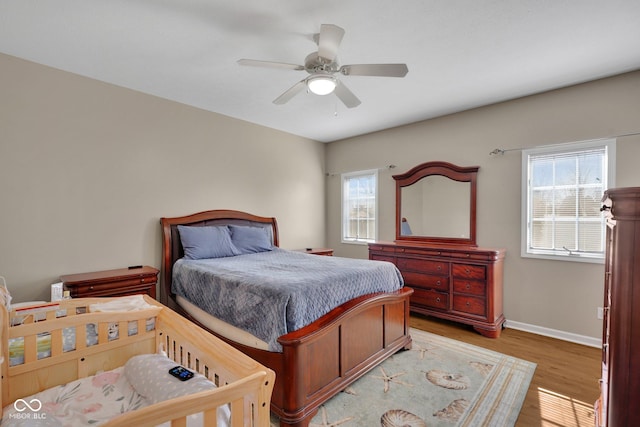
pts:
[322, 67]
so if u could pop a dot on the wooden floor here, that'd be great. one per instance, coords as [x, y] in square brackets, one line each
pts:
[565, 383]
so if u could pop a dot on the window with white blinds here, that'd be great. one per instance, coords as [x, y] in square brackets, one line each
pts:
[359, 206]
[562, 193]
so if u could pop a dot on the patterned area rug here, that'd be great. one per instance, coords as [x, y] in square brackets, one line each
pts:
[439, 382]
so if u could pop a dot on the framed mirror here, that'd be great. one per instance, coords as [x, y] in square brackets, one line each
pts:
[436, 203]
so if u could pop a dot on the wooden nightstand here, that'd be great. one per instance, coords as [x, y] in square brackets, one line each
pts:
[112, 283]
[318, 251]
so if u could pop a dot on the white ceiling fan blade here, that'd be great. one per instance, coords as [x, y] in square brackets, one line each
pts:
[269, 64]
[379, 70]
[329, 41]
[346, 96]
[290, 93]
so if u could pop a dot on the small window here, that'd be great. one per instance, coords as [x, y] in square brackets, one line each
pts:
[359, 206]
[562, 188]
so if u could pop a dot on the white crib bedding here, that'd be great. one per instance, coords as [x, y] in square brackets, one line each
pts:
[143, 381]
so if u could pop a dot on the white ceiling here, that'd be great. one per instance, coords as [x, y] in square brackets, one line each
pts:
[460, 53]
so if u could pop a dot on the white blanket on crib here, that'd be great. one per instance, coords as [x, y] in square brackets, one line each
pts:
[88, 401]
[94, 400]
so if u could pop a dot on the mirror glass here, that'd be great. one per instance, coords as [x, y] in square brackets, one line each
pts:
[422, 212]
[436, 203]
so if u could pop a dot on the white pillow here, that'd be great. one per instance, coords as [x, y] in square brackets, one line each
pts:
[149, 375]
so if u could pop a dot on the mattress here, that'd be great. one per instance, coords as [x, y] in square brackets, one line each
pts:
[221, 327]
[269, 294]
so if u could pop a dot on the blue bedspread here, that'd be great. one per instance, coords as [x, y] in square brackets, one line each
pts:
[272, 293]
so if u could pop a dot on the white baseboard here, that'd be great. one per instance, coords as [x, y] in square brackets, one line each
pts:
[554, 333]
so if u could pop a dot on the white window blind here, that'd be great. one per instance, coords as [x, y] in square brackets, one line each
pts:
[564, 188]
[359, 205]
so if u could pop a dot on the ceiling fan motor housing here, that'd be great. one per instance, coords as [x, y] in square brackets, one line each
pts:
[314, 63]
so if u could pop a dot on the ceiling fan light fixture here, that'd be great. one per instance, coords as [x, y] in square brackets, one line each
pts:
[321, 84]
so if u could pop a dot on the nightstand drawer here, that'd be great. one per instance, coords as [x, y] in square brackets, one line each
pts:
[128, 287]
[120, 282]
[317, 251]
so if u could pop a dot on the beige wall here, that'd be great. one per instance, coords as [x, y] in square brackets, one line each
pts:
[561, 296]
[87, 169]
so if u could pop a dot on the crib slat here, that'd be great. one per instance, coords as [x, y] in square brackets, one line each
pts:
[103, 332]
[56, 342]
[210, 418]
[30, 348]
[179, 422]
[237, 413]
[81, 337]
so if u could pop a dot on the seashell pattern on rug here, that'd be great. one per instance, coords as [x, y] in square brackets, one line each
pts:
[448, 380]
[483, 368]
[453, 411]
[401, 418]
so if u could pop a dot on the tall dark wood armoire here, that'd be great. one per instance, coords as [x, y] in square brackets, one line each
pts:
[620, 384]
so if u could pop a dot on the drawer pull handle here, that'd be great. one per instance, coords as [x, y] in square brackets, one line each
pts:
[468, 286]
[438, 283]
[467, 271]
[90, 288]
[438, 299]
[468, 303]
[439, 268]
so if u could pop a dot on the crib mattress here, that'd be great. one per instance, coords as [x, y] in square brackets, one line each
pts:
[87, 401]
[94, 400]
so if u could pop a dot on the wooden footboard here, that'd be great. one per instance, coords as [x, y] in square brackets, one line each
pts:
[244, 384]
[323, 358]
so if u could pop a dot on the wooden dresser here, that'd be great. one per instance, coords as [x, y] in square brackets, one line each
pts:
[456, 282]
[620, 383]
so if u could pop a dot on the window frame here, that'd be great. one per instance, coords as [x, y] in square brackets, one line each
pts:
[554, 254]
[345, 205]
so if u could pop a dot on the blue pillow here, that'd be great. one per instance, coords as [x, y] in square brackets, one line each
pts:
[249, 240]
[206, 242]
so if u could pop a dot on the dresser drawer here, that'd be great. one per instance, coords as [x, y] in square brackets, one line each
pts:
[473, 287]
[423, 266]
[431, 299]
[469, 271]
[377, 257]
[428, 281]
[469, 305]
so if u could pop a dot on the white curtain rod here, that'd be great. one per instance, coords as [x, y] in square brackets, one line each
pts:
[501, 151]
[380, 168]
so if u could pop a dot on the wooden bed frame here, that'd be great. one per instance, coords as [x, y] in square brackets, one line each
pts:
[242, 382]
[321, 359]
